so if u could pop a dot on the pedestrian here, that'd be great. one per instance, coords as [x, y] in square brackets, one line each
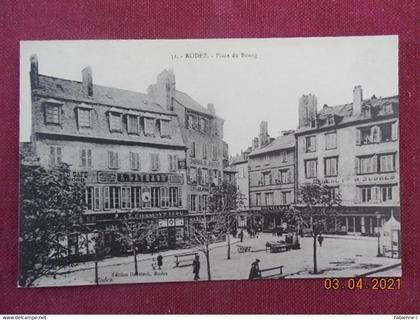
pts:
[196, 267]
[159, 261]
[241, 235]
[320, 239]
[254, 273]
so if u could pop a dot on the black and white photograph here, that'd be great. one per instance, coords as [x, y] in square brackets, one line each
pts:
[220, 159]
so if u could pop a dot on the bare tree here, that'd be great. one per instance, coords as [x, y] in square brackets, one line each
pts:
[225, 199]
[317, 209]
[133, 232]
[210, 229]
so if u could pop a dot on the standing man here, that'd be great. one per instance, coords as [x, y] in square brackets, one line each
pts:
[196, 267]
[241, 235]
[254, 273]
[160, 261]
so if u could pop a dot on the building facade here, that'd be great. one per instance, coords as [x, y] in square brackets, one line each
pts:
[124, 145]
[354, 149]
[202, 132]
[271, 178]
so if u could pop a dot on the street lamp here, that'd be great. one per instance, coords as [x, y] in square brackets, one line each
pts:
[378, 216]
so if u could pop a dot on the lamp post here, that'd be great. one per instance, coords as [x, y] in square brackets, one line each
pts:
[378, 216]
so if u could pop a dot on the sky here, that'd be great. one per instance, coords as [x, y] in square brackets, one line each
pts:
[262, 83]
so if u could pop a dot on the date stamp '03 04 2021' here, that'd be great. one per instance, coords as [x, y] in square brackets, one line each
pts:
[362, 283]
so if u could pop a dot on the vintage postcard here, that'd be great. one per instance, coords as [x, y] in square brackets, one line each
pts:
[195, 160]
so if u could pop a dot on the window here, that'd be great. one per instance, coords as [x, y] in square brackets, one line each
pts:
[173, 162]
[97, 198]
[202, 124]
[112, 196]
[204, 177]
[193, 202]
[146, 197]
[113, 162]
[149, 126]
[132, 124]
[134, 161]
[366, 193]
[380, 133]
[285, 176]
[193, 175]
[164, 197]
[189, 121]
[89, 196]
[366, 164]
[286, 197]
[283, 156]
[83, 116]
[267, 178]
[86, 158]
[165, 129]
[155, 197]
[311, 168]
[330, 120]
[55, 155]
[52, 113]
[173, 197]
[269, 198]
[331, 166]
[204, 151]
[125, 198]
[154, 160]
[115, 122]
[331, 140]
[135, 197]
[192, 149]
[334, 193]
[215, 152]
[311, 144]
[258, 199]
[387, 163]
[205, 202]
[386, 193]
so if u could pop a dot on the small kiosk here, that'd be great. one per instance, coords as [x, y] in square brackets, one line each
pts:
[390, 238]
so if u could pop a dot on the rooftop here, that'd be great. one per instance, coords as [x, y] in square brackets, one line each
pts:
[73, 90]
[280, 143]
[189, 103]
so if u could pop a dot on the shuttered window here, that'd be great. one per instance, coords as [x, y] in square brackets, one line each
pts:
[55, 156]
[113, 161]
[115, 123]
[134, 161]
[154, 161]
[86, 158]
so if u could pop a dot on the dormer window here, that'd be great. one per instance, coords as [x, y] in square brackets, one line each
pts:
[115, 122]
[165, 129]
[387, 108]
[52, 111]
[331, 121]
[84, 117]
[313, 123]
[132, 123]
[149, 126]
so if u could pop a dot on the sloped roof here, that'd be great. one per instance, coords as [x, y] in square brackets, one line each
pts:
[73, 90]
[345, 111]
[190, 103]
[282, 142]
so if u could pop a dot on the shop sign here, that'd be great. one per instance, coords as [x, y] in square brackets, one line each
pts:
[171, 222]
[163, 223]
[179, 221]
[114, 177]
[80, 176]
[362, 178]
[107, 177]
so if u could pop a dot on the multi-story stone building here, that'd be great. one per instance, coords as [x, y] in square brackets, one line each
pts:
[353, 149]
[271, 178]
[127, 147]
[202, 131]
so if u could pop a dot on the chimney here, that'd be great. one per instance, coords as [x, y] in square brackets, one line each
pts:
[357, 99]
[211, 109]
[264, 138]
[307, 111]
[34, 75]
[87, 81]
[255, 143]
